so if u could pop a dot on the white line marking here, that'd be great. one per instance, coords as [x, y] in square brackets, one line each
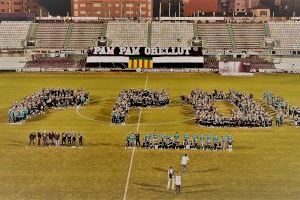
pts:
[132, 154]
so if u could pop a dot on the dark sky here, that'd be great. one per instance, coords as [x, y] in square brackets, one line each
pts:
[56, 7]
[287, 9]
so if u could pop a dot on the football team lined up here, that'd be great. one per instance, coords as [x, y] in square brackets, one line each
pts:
[196, 142]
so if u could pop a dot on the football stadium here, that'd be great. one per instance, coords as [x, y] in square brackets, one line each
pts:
[198, 107]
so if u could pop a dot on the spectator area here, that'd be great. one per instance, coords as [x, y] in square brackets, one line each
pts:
[51, 35]
[172, 34]
[56, 64]
[287, 63]
[84, 35]
[12, 63]
[215, 36]
[248, 36]
[287, 33]
[13, 34]
[131, 34]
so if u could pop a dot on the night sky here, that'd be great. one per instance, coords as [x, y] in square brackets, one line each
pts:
[56, 7]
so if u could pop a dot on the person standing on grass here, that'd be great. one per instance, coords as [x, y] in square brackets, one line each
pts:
[178, 183]
[137, 139]
[45, 138]
[32, 137]
[171, 178]
[39, 134]
[57, 136]
[80, 138]
[184, 161]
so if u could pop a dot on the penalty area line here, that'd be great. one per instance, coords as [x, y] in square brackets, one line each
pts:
[132, 154]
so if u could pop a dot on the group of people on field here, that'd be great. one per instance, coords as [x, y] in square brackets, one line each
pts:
[195, 141]
[46, 98]
[282, 108]
[52, 138]
[137, 98]
[247, 112]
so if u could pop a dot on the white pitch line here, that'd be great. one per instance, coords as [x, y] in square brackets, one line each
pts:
[132, 154]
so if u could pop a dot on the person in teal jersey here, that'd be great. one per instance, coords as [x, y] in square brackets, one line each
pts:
[201, 141]
[132, 140]
[208, 138]
[195, 141]
[16, 116]
[11, 116]
[215, 139]
[223, 142]
[154, 135]
[176, 136]
[127, 141]
[229, 142]
[186, 139]
[176, 140]
[26, 111]
[186, 136]
[22, 114]
[147, 141]
[208, 142]
[162, 142]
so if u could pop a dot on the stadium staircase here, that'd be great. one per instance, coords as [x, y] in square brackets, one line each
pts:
[229, 26]
[267, 30]
[104, 25]
[70, 30]
[31, 31]
[195, 26]
[149, 34]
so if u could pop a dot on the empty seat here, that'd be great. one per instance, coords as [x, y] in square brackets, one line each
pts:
[169, 34]
[13, 34]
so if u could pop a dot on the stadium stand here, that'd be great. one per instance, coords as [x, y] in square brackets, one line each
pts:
[16, 16]
[211, 62]
[215, 36]
[12, 63]
[169, 34]
[130, 34]
[55, 64]
[248, 36]
[13, 34]
[287, 33]
[51, 35]
[254, 62]
[84, 35]
[287, 63]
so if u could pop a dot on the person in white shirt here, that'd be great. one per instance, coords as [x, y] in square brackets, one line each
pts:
[171, 178]
[184, 161]
[178, 183]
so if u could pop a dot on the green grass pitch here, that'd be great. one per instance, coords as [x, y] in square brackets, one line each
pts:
[265, 163]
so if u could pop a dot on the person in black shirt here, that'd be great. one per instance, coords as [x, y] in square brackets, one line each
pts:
[32, 137]
[137, 140]
[74, 139]
[39, 138]
[69, 139]
[63, 139]
[80, 139]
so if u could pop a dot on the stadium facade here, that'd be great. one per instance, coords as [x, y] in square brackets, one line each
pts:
[67, 44]
[112, 8]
